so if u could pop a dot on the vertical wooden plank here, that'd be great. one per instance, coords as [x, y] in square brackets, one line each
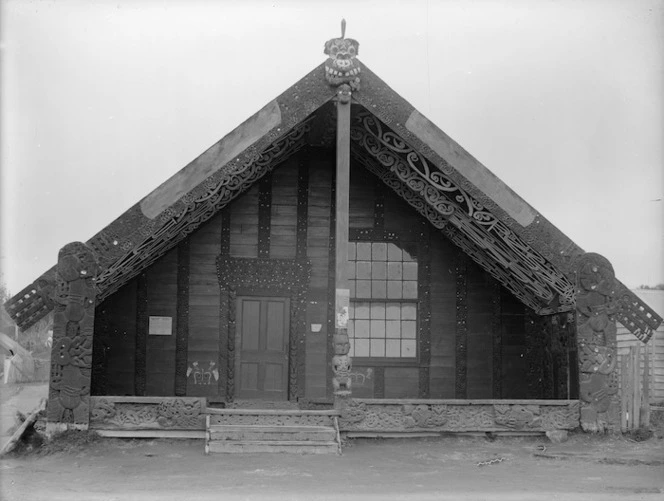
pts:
[636, 384]
[140, 375]
[302, 206]
[342, 199]
[264, 215]
[624, 389]
[424, 308]
[182, 318]
[379, 207]
[461, 324]
[497, 330]
[331, 322]
[225, 249]
[645, 401]
[379, 382]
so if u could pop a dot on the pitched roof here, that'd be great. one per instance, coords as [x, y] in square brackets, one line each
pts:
[454, 191]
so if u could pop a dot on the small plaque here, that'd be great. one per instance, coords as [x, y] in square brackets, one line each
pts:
[161, 326]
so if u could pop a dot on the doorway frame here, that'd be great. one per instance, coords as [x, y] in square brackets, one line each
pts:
[286, 300]
[287, 278]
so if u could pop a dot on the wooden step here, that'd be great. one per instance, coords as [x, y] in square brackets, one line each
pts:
[262, 446]
[272, 433]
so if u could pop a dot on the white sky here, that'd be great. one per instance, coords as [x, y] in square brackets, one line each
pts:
[102, 101]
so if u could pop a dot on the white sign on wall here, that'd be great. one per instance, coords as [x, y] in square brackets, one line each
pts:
[161, 326]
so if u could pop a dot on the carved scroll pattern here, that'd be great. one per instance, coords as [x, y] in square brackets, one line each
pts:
[597, 344]
[536, 274]
[423, 416]
[440, 221]
[168, 414]
[283, 277]
[271, 419]
[73, 328]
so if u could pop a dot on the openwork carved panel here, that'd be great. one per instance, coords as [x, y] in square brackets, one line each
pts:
[452, 416]
[152, 413]
[281, 277]
[537, 276]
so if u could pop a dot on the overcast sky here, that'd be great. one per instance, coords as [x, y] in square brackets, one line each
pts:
[102, 101]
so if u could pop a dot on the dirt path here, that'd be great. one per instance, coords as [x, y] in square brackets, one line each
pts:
[446, 468]
[22, 397]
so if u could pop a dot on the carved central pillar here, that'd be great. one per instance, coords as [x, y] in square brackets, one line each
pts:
[73, 328]
[596, 305]
[342, 71]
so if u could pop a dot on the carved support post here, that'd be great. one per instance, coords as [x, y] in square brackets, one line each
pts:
[341, 361]
[73, 329]
[596, 340]
[342, 71]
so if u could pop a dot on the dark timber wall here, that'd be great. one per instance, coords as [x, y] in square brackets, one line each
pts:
[474, 339]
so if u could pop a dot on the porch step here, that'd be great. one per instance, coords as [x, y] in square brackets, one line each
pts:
[271, 430]
[293, 447]
[272, 433]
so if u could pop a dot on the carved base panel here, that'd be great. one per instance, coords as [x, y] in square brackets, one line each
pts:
[371, 415]
[147, 413]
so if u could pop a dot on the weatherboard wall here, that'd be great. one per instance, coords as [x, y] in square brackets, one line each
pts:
[471, 335]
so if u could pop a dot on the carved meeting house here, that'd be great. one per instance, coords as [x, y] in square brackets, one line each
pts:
[337, 250]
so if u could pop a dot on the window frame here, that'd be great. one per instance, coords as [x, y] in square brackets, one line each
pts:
[405, 241]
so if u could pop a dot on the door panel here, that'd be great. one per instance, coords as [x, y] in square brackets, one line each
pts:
[263, 330]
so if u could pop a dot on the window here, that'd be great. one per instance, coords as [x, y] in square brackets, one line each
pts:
[383, 308]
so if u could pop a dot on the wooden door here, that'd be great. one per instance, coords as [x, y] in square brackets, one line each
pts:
[263, 327]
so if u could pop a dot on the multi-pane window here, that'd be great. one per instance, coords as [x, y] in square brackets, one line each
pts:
[383, 309]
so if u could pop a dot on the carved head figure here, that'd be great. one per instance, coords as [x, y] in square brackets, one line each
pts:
[75, 260]
[341, 66]
[596, 274]
[341, 365]
[341, 344]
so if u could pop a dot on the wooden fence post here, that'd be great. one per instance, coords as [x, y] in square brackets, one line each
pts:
[636, 385]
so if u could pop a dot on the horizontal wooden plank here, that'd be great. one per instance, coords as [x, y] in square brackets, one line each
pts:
[244, 250]
[281, 231]
[188, 434]
[456, 401]
[273, 412]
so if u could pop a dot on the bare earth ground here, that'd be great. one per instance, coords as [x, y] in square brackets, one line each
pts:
[585, 467]
[420, 469]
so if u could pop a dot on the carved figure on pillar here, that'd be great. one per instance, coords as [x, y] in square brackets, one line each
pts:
[596, 306]
[341, 66]
[73, 326]
[341, 365]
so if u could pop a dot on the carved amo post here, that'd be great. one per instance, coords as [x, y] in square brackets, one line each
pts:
[342, 71]
[73, 327]
[596, 340]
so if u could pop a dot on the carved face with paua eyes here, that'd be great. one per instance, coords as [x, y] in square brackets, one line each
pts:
[341, 66]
